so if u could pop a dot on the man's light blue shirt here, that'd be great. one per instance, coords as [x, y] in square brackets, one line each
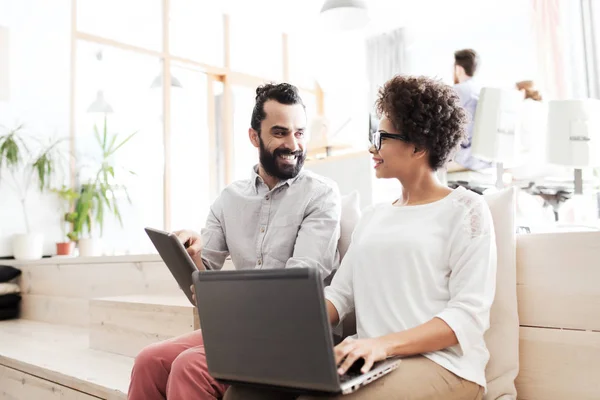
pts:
[468, 92]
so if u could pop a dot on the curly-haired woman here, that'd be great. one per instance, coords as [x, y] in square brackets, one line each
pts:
[420, 272]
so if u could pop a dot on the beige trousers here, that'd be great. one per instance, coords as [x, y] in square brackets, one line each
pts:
[417, 378]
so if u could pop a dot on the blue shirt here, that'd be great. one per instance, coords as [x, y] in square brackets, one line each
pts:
[468, 92]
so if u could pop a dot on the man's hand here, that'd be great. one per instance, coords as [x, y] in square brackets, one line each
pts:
[194, 295]
[350, 350]
[193, 243]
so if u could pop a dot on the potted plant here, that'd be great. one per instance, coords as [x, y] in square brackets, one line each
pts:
[27, 163]
[67, 197]
[98, 196]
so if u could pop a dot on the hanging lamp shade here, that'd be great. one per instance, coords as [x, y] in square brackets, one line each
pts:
[158, 81]
[344, 14]
[100, 105]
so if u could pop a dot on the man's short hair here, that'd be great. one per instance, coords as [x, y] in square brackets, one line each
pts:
[468, 59]
[283, 93]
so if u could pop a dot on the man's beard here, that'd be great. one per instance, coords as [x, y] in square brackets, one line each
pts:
[269, 162]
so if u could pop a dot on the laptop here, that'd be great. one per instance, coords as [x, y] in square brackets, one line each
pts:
[269, 328]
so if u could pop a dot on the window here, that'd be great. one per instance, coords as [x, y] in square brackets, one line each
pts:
[135, 22]
[310, 102]
[302, 59]
[256, 50]
[196, 32]
[124, 78]
[190, 178]
[245, 155]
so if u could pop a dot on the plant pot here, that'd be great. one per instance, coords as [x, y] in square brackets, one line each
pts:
[64, 248]
[28, 246]
[89, 247]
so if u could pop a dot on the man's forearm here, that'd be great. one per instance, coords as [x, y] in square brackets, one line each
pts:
[431, 336]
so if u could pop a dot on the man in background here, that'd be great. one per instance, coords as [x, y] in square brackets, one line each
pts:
[465, 66]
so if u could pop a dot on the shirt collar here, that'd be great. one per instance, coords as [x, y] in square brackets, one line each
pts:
[256, 179]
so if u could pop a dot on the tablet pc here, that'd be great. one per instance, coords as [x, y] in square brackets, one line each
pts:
[176, 258]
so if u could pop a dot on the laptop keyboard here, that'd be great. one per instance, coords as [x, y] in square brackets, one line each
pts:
[354, 371]
[349, 375]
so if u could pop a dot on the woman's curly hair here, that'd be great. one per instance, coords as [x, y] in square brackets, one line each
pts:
[428, 112]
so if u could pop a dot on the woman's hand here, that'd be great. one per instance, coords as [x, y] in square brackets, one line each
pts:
[350, 350]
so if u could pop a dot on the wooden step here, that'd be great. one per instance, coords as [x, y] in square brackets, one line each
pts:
[15, 384]
[126, 324]
[58, 290]
[46, 357]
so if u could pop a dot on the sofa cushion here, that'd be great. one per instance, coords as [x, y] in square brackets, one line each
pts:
[502, 338]
[8, 273]
[8, 288]
[9, 300]
[9, 313]
[349, 218]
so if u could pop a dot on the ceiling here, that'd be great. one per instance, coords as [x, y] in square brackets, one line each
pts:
[294, 16]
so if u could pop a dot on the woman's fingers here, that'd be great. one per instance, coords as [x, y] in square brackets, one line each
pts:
[368, 364]
[351, 358]
[342, 349]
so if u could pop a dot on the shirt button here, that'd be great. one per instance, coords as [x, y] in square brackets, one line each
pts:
[267, 197]
[259, 262]
[262, 230]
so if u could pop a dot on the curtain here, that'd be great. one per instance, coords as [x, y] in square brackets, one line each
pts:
[567, 43]
[590, 20]
[385, 58]
[549, 32]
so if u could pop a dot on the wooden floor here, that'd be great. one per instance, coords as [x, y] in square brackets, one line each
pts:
[60, 354]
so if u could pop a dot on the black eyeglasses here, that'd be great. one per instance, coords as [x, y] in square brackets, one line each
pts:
[377, 136]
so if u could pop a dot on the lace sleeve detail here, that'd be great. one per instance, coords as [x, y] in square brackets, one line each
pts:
[473, 218]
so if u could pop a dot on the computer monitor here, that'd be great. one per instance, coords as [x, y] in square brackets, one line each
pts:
[573, 133]
[495, 126]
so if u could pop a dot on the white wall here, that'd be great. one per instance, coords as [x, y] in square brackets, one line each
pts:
[355, 172]
[500, 31]
[39, 98]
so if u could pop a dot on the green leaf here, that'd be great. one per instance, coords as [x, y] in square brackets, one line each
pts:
[44, 168]
[97, 135]
[71, 217]
[10, 153]
[100, 216]
[127, 195]
[118, 214]
[105, 133]
[127, 139]
[88, 221]
[112, 143]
